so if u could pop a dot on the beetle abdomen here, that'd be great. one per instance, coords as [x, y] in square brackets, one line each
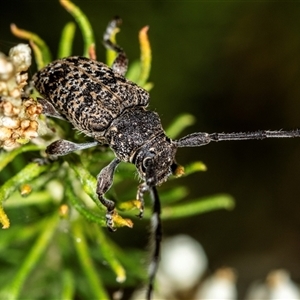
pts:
[88, 93]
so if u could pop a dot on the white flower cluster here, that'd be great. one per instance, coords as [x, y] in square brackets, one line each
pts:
[181, 275]
[18, 112]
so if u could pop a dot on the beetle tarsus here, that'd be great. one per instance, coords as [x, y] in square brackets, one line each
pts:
[109, 220]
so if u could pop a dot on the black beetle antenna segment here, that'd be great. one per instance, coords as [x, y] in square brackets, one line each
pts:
[101, 103]
[156, 229]
[201, 138]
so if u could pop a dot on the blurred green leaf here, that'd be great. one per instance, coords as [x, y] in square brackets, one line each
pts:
[38, 249]
[199, 206]
[66, 40]
[179, 124]
[96, 287]
[84, 24]
[30, 36]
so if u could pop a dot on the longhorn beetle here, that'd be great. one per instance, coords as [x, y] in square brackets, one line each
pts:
[98, 101]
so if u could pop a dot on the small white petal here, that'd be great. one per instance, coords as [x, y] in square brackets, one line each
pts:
[183, 261]
[221, 285]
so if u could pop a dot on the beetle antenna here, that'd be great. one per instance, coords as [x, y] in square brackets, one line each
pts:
[156, 228]
[202, 138]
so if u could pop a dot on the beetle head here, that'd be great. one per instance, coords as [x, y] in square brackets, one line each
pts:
[155, 161]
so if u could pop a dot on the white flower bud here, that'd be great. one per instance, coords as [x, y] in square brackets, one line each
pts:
[21, 57]
[5, 133]
[7, 69]
[10, 122]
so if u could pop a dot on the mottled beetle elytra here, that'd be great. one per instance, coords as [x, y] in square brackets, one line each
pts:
[101, 103]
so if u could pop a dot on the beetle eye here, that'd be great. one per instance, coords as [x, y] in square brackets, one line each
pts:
[146, 163]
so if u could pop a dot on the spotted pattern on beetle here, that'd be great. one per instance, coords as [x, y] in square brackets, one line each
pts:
[89, 94]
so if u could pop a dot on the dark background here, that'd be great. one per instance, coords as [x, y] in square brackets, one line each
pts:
[235, 66]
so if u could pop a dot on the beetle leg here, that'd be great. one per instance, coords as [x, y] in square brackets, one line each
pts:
[49, 110]
[121, 62]
[61, 148]
[146, 186]
[64, 147]
[104, 182]
[142, 189]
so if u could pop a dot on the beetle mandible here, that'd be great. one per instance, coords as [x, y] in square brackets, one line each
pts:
[99, 102]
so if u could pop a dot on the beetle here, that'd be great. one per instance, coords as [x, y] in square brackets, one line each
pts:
[101, 103]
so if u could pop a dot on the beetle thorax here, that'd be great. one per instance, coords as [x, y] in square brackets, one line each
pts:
[137, 135]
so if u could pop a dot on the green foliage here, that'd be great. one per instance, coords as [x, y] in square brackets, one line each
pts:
[64, 244]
